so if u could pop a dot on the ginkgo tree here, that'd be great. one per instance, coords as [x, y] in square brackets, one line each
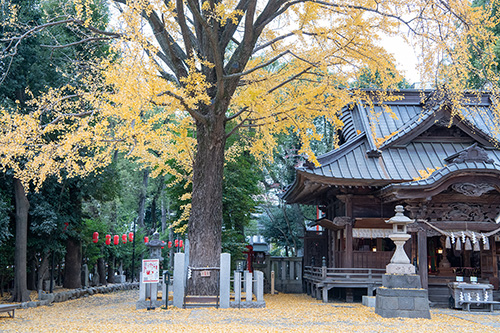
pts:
[187, 74]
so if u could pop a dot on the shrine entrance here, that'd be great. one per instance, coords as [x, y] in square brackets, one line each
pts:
[457, 260]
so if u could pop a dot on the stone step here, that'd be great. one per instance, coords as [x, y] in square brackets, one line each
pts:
[439, 296]
[200, 305]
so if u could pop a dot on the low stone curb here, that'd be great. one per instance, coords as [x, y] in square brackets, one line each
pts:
[248, 305]
[47, 299]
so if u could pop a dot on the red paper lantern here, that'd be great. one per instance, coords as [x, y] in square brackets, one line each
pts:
[176, 243]
[146, 239]
[124, 238]
[181, 243]
[108, 239]
[95, 237]
[130, 236]
[116, 239]
[169, 244]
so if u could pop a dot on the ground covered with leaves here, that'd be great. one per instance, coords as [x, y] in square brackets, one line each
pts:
[284, 313]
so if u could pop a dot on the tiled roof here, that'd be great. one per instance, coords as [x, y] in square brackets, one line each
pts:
[394, 165]
[449, 169]
[400, 158]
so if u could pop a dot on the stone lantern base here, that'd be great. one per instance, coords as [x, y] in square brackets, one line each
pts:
[402, 296]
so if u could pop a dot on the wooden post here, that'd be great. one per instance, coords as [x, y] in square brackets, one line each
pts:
[283, 270]
[493, 246]
[334, 248]
[423, 270]
[414, 253]
[323, 268]
[272, 282]
[348, 246]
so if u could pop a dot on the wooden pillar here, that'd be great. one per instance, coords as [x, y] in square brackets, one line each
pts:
[329, 247]
[348, 232]
[334, 248]
[414, 247]
[342, 248]
[493, 246]
[423, 270]
[348, 246]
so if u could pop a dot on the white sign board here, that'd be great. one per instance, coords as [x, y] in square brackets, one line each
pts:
[151, 271]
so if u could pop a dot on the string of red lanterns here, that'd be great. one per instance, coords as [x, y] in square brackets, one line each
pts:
[177, 242]
[116, 240]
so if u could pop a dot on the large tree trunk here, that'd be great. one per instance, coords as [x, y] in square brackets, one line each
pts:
[31, 279]
[73, 264]
[20, 293]
[111, 270]
[101, 269]
[205, 222]
[43, 270]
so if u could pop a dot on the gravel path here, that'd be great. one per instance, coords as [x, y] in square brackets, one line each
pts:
[284, 313]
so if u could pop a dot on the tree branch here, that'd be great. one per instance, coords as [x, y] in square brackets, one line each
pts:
[195, 114]
[181, 18]
[168, 45]
[90, 39]
[267, 63]
[230, 27]
[271, 42]
[237, 114]
[68, 115]
[219, 66]
[289, 80]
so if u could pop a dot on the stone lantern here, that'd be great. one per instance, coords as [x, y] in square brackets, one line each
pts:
[401, 294]
[400, 263]
[155, 245]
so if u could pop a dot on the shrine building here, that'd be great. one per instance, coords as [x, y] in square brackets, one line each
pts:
[444, 169]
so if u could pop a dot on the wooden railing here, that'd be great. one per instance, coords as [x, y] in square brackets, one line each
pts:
[319, 280]
[320, 274]
[288, 274]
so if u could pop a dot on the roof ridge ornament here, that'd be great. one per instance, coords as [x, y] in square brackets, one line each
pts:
[374, 153]
[441, 96]
[473, 153]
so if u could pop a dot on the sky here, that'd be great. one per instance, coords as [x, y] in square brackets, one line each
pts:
[406, 60]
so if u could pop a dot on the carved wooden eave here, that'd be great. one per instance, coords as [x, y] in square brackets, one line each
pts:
[314, 189]
[452, 226]
[471, 172]
[468, 184]
[372, 222]
[338, 222]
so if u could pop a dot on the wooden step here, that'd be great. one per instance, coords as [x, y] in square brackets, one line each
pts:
[201, 301]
